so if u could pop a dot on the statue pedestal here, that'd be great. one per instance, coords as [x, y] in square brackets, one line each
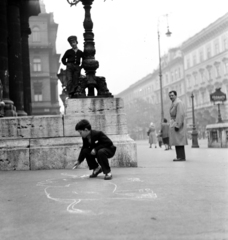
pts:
[108, 116]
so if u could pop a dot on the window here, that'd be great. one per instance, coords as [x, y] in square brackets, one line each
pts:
[194, 59]
[188, 80]
[38, 97]
[196, 99]
[216, 47]
[203, 97]
[167, 78]
[201, 56]
[195, 75]
[214, 135]
[176, 74]
[225, 43]
[217, 67]
[179, 72]
[36, 34]
[209, 72]
[36, 65]
[202, 75]
[208, 51]
[172, 78]
[188, 63]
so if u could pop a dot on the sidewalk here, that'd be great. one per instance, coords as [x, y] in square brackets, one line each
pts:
[160, 199]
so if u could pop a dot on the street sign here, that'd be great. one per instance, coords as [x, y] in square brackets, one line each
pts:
[218, 96]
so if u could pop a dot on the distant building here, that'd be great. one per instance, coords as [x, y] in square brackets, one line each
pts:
[148, 89]
[198, 66]
[44, 64]
[206, 68]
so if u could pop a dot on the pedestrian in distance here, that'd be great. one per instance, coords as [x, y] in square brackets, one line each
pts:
[152, 135]
[159, 137]
[96, 149]
[178, 130]
[72, 59]
[165, 134]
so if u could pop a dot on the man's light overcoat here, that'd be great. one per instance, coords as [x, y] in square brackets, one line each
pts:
[177, 115]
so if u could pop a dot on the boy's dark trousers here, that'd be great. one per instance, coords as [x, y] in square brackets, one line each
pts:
[102, 157]
[73, 72]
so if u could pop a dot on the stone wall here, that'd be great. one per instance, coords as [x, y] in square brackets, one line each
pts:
[51, 142]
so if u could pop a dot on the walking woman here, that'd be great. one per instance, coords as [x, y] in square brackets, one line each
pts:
[152, 135]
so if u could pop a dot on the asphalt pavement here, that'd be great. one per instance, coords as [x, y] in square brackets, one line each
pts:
[160, 199]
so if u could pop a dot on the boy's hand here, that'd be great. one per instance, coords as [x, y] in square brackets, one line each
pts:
[93, 152]
[76, 164]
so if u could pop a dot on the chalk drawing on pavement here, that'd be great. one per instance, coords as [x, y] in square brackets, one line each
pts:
[77, 191]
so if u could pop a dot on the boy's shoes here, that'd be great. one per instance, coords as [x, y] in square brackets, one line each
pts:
[96, 171]
[76, 165]
[108, 176]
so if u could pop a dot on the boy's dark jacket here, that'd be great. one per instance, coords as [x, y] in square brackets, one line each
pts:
[71, 56]
[98, 140]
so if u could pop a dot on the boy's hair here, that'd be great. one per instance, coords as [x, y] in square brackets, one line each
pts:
[82, 125]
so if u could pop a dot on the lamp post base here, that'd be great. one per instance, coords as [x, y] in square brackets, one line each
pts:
[195, 139]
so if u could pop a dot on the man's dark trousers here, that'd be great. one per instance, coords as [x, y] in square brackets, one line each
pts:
[102, 157]
[180, 152]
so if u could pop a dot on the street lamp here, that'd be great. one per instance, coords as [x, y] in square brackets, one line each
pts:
[194, 131]
[89, 64]
[168, 34]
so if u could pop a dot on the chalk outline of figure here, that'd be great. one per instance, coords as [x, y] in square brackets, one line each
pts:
[140, 194]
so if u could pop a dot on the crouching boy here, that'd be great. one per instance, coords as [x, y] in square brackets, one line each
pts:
[96, 145]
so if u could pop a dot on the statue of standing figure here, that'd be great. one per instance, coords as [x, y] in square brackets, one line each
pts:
[74, 84]
[72, 60]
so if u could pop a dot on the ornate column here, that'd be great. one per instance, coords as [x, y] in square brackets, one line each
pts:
[25, 32]
[89, 63]
[15, 57]
[9, 108]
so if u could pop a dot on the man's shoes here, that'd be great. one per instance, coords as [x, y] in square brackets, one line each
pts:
[179, 159]
[108, 176]
[96, 171]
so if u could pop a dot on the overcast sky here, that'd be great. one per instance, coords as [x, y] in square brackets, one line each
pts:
[126, 32]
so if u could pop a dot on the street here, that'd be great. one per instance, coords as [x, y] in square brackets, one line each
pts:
[159, 200]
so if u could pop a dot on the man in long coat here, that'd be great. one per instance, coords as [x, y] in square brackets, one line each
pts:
[178, 131]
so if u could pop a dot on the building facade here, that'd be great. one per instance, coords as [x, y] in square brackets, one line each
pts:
[198, 67]
[14, 55]
[44, 64]
[206, 68]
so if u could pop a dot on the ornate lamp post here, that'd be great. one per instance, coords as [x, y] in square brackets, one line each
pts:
[194, 131]
[168, 34]
[89, 63]
[218, 97]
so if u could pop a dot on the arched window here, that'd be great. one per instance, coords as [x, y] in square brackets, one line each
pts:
[36, 34]
[36, 64]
